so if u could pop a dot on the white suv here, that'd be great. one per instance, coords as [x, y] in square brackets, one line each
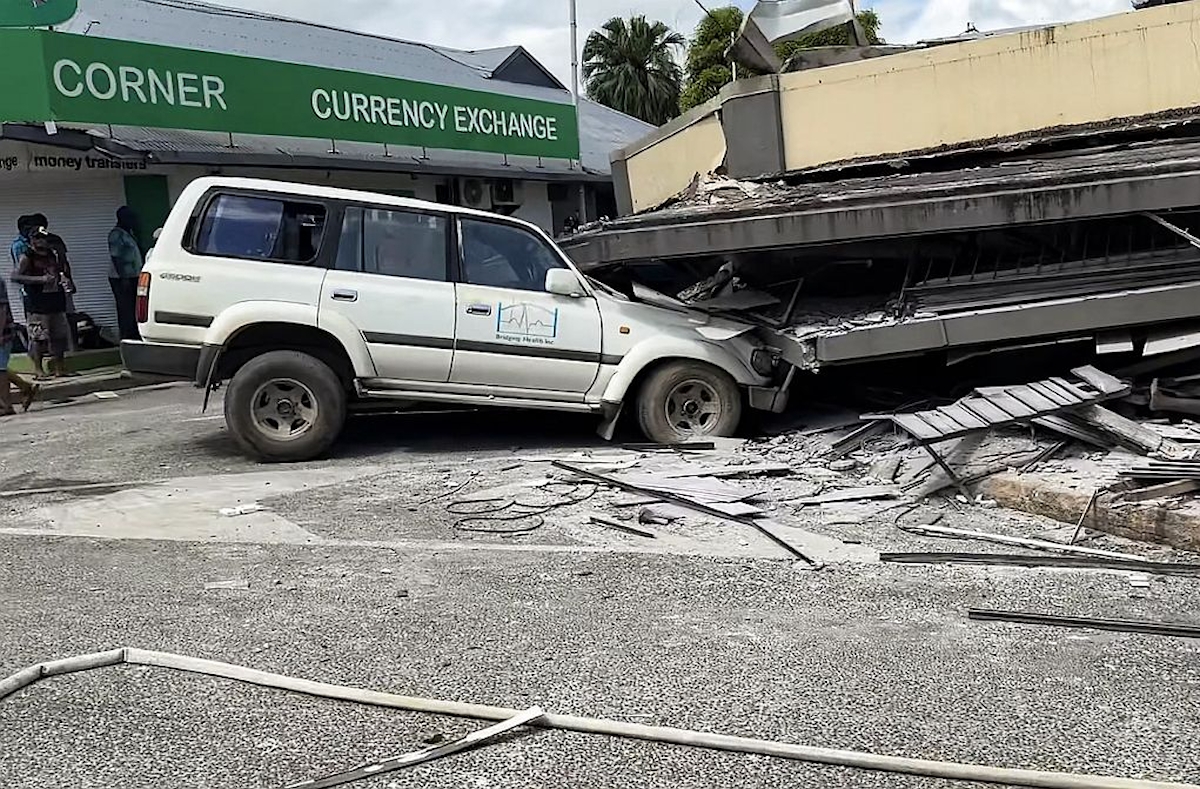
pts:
[311, 300]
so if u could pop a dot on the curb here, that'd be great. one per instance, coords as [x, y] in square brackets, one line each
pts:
[117, 382]
[1143, 521]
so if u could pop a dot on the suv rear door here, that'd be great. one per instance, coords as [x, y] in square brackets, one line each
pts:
[241, 246]
[391, 280]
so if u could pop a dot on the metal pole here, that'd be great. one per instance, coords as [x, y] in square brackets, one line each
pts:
[574, 52]
[575, 99]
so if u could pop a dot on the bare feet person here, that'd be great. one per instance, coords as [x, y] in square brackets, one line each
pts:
[28, 391]
[6, 337]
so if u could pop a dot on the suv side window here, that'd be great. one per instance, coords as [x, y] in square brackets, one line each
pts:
[261, 228]
[394, 243]
[504, 256]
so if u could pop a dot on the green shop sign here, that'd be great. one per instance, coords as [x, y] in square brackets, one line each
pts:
[69, 78]
[36, 13]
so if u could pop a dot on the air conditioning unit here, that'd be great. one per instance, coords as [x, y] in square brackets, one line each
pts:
[506, 191]
[475, 194]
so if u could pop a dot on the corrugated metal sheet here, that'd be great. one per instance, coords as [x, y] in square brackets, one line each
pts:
[181, 23]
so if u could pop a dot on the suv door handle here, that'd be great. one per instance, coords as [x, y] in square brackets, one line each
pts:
[479, 309]
[345, 295]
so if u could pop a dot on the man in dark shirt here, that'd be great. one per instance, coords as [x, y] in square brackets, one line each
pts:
[56, 243]
[46, 285]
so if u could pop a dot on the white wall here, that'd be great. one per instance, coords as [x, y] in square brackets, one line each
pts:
[535, 206]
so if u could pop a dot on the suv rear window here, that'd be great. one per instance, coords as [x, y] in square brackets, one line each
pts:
[261, 228]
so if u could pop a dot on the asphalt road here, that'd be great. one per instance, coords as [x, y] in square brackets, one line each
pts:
[357, 575]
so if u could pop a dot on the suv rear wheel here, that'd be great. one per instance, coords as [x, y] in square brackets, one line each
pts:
[285, 406]
[684, 401]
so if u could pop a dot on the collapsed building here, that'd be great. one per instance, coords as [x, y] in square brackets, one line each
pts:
[1031, 188]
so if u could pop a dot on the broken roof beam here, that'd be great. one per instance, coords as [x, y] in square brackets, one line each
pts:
[1159, 304]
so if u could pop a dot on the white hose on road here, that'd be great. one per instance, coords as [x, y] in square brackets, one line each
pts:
[720, 742]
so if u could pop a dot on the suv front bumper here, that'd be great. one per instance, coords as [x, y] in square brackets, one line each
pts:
[156, 358]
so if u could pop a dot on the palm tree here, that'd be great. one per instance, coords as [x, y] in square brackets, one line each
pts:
[631, 67]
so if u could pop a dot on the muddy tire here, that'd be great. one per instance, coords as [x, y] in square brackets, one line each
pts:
[688, 401]
[285, 406]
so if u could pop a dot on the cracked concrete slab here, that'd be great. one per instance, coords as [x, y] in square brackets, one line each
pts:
[189, 508]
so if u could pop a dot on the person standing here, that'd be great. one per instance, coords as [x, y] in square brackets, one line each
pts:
[21, 242]
[60, 248]
[28, 391]
[127, 262]
[46, 285]
[56, 243]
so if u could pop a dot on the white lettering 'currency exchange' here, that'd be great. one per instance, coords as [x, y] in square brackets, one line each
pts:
[374, 110]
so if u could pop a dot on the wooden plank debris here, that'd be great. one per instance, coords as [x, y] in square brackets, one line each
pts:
[1103, 382]
[608, 523]
[1021, 542]
[853, 440]
[1126, 430]
[1164, 469]
[994, 406]
[705, 489]
[1067, 427]
[1179, 487]
[850, 494]
[1059, 396]
[730, 472]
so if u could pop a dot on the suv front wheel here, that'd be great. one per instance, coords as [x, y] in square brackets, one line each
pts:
[285, 406]
[683, 401]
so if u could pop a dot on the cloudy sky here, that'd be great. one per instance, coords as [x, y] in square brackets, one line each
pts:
[542, 25]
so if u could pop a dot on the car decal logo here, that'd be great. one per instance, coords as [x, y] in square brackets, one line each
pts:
[525, 320]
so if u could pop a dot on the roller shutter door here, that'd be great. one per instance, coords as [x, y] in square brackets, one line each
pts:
[81, 209]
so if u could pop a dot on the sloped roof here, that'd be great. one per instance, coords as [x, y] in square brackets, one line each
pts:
[484, 60]
[213, 28]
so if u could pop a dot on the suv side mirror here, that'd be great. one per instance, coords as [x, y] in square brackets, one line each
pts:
[563, 282]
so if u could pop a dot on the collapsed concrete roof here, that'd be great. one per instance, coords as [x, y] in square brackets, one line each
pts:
[1106, 181]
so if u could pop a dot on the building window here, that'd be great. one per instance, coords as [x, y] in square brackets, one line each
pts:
[504, 256]
[394, 244]
[258, 228]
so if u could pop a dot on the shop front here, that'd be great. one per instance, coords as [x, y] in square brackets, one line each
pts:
[91, 124]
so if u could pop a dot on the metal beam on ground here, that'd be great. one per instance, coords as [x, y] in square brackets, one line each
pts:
[1116, 625]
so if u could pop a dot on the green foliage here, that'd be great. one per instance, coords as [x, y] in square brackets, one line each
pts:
[709, 70]
[834, 36]
[630, 65]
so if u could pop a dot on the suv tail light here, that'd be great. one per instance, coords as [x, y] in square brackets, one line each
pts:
[143, 297]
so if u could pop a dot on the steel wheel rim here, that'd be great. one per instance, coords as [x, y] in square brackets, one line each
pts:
[693, 407]
[283, 409]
